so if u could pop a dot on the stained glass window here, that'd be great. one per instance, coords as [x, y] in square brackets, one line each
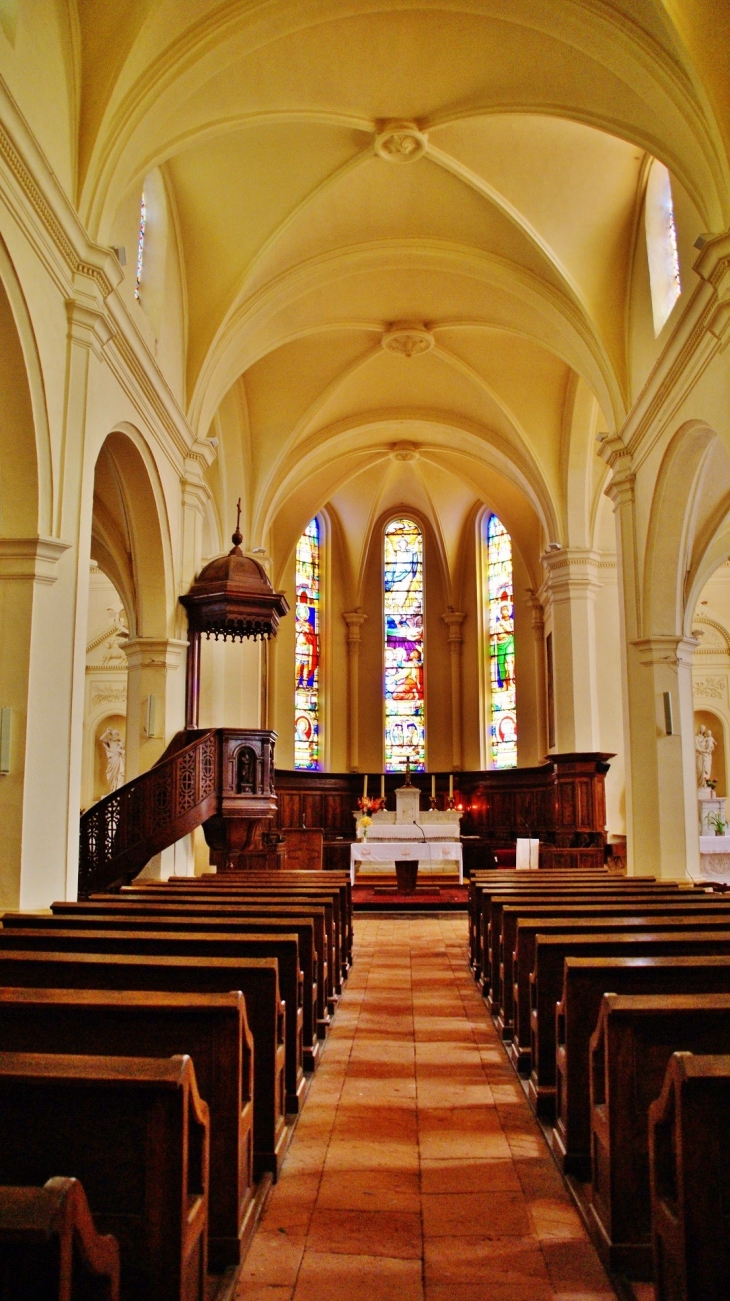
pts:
[140, 247]
[405, 731]
[661, 245]
[503, 719]
[306, 690]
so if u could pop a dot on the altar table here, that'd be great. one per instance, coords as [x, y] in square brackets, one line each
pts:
[433, 856]
[715, 859]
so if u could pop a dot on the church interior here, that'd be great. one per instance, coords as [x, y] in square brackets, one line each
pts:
[364, 650]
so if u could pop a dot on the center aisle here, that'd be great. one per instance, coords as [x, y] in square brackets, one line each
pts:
[417, 1172]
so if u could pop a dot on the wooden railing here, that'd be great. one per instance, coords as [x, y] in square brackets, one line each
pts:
[121, 833]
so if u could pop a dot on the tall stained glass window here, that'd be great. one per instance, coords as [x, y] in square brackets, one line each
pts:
[306, 689]
[405, 731]
[503, 720]
[140, 246]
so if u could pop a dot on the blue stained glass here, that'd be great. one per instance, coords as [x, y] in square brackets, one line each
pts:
[306, 690]
[503, 720]
[405, 730]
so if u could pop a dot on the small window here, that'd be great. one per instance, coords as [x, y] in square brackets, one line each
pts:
[661, 245]
[140, 247]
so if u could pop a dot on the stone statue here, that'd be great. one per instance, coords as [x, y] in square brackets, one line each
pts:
[704, 745]
[115, 757]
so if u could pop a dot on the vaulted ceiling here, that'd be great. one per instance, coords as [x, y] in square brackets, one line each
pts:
[403, 223]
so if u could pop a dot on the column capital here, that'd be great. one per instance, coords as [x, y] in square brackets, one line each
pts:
[570, 572]
[34, 558]
[454, 620]
[154, 652]
[613, 450]
[354, 620]
[665, 648]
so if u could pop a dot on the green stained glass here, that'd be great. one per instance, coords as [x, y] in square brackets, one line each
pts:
[405, 730]
[306, 690]
[503, 720]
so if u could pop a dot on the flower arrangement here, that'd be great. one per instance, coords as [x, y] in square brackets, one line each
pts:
[367, 805]
[711, 783]
[717, 821]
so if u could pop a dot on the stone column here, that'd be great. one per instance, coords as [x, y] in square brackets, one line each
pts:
[156, 673]
[569, 592]
[538, 631]
[354, 620]
[454, 620]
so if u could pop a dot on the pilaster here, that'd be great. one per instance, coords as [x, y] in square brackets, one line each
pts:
[354, 620]
[454, 620]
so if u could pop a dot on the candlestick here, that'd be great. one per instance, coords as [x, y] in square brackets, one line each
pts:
[433, 786]
[451, 786]
[382, 786]
[365, 787]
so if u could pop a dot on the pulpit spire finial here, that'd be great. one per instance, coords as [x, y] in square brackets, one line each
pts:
[237, 537]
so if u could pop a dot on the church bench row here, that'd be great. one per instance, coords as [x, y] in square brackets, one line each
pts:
[689, 1141]
[211, 1029]
[546, 982]
[136, 1133]
[49, 1246]
[629, 1053]
[497, 879]
[260, 890]
[282, 949]
[585, 980]
[256, 978]
[338, 882]
[622, 919]
[306, 920]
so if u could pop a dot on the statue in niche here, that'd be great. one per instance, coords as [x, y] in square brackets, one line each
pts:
[245, 771]
[704, 745]
[116, 755]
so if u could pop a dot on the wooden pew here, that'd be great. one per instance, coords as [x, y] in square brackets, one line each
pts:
[50, 1249]
[554, 890]
[209, 1028]
[659, 918]
[336, 882]
[501, 944]
[266, 898]
[585, 980]
[489, 883]
[629, 1053]
[689, 1141]
[233, 916]
[284, 949]
[147, 918]
[135, 1131]
[256, 978]
[546, 983]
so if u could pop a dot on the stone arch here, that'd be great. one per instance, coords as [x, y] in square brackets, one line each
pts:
[690, 503]
[26, 505]
[130, 531]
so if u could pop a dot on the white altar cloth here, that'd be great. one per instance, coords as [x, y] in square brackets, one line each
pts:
[715, 859]
[432, 857]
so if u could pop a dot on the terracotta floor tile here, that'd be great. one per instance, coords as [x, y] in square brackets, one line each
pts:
[417, 1161]
[327, 1276]
[366, 1233]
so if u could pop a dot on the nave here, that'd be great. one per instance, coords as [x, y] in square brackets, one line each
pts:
[417, 1171]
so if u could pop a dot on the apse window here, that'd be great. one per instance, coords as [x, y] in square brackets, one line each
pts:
[501, 638]
[405, 726]
[140, 247]
[307, 644]
[661, 245]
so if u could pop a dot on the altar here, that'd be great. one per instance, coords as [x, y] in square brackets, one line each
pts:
[431, 839]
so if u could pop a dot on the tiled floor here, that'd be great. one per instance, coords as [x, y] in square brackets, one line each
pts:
[417, 1172]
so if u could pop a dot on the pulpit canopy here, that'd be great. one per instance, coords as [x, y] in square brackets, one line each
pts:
[232, 597]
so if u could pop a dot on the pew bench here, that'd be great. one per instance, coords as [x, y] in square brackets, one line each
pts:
[284, 949]
[135, 1131]
[50, 1249]
[232, 917]
[629, 1053]
[657, 919]
[585, 981]
[546, 983]
[689, 1143]
[209, 1028]
[256, 978]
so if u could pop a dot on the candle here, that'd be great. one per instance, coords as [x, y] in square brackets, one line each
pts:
[365, 787]
[433, 786]
[451, 786]
[382, 785]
